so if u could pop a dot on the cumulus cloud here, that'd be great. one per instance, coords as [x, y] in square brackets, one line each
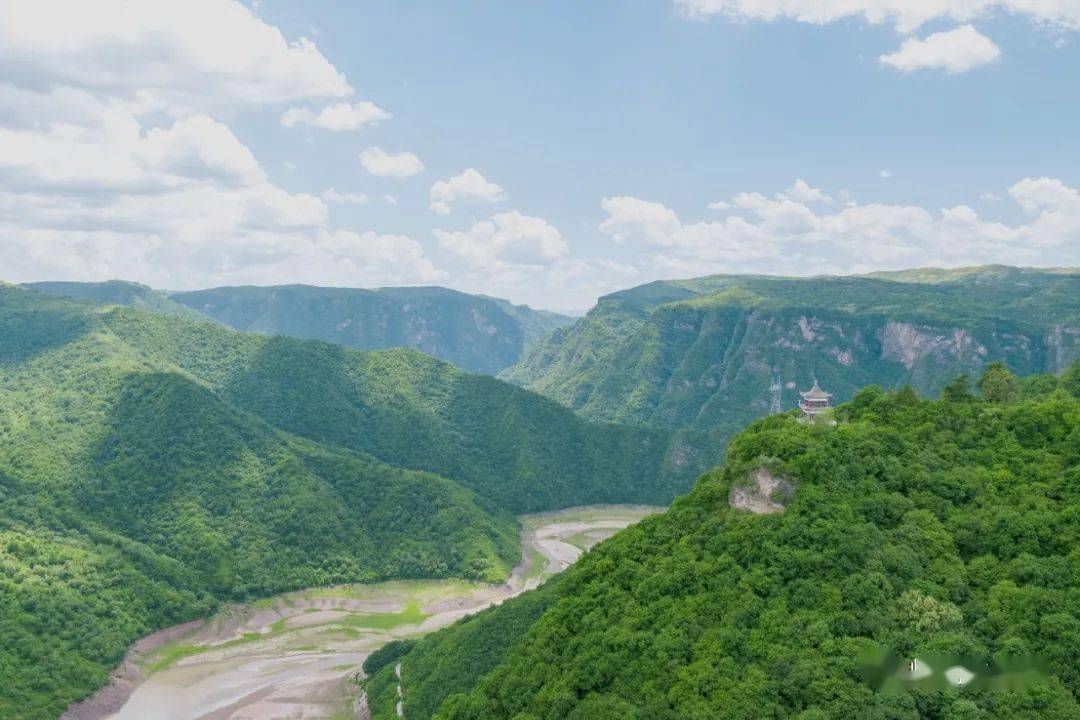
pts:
[181, 206]
[955, 51]
[572, 284]
[782, 235]
[113, 162]
[160, 55]
[507, 238]
[636, 216]
[1045, 194]
[906, 15]
[120, 156]
[801, 191]
[338, 116]
[470, 187]
[527, 259]
[380, 163]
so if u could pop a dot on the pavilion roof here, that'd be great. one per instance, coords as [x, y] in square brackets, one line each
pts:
[816, 393]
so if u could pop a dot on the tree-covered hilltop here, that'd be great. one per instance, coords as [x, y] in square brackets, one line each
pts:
[474, 332]
[153, 466]
[701, 356]
[119, 292]
[949, 527]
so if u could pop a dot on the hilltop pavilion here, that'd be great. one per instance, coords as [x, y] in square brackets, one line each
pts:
[814, 401]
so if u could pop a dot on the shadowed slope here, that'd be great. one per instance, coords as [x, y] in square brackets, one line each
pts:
[521, 450]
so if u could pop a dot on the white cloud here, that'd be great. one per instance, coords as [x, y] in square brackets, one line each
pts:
[113, 164]
[885, 174]
[383, 164]
[527, 259]
[157, 54]
[389, 199]
[649, 218]
[120, 156]
[332, 195]
[510, 238]
[338, 116]
[906, 15]
[955, 51]
[571, 284]
[1044, 194]
[780, 235]
[181, 206]
[196, 232]
[801, 191]
[470, 187]
[370, 259]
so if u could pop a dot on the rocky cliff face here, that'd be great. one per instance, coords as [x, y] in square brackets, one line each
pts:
[1063, 346]
[708, 365]
[475, 333]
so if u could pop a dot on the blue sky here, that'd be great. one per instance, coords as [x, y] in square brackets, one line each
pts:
[598, 134]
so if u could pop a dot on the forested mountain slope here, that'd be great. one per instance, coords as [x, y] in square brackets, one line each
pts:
[133, 497]
[410, 410]
[948, 527]
[701, 355]
[518, 448]
[474, 332]
[151, 466]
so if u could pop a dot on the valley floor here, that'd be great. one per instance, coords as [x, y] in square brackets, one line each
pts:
[298, 655]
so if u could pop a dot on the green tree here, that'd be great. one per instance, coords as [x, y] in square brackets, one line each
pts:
[998, 385]
[959, 390]
[907, 396]
[1071, 380]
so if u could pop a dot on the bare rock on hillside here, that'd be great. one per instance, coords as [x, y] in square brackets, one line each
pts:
[763, 493]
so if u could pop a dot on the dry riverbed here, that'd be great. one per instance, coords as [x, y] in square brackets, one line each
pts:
[297, 656]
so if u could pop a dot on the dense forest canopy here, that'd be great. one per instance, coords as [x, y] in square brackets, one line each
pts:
[948, 527]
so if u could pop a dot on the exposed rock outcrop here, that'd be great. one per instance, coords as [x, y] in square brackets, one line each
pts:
[908, 343]
[764, 493]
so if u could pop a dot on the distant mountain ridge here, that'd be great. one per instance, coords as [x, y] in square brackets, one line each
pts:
[701, 355]
[475, 332]
[118, 292]
[973, 273]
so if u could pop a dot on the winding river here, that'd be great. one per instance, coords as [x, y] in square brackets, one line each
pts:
[297, 656]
